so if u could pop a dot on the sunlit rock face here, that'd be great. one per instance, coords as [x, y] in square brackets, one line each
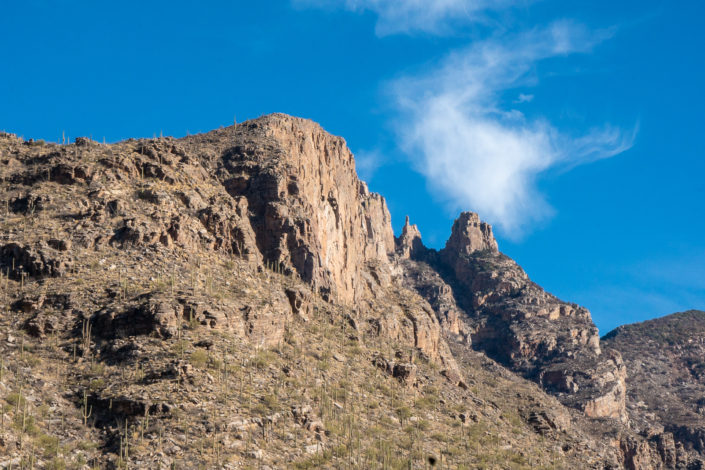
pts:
[486, 299]
[309, 210]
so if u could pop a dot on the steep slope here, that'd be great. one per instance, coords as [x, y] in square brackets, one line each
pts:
[236, 299]
[666, 383]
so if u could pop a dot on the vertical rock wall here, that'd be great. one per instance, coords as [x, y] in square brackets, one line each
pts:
[310, 212]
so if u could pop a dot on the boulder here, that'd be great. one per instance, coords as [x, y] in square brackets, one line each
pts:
[405, 373]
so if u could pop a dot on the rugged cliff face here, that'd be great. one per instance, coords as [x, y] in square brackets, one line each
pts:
[313, 218]
[309, 211]
[252, 258]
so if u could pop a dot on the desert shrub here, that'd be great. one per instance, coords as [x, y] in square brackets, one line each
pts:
[262, 359]
[199, 358]
[49, 444]
[15, 399]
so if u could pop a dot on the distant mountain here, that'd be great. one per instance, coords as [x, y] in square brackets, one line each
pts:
[665, 358]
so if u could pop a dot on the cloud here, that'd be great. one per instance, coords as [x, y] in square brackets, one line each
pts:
[409, 16]
[475, 149]
[480, 154]
[524, 98]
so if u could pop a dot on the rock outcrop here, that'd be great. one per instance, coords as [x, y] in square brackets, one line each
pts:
[409, 244]
[468, 235]
[278, 192]
[309, 211]
[18, 260]
[485, 296]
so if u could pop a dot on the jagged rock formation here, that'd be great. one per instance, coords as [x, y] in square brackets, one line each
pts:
[409, 244]
[243, 289]
[468, 236]
[513, 320]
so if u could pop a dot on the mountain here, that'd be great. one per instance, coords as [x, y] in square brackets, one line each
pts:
[238, 299]
[666, 362]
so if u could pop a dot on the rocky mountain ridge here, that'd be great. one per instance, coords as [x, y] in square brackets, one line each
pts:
[516, 322]
[251, 256]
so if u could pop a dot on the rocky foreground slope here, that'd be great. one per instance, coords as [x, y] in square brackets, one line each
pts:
[237, 299]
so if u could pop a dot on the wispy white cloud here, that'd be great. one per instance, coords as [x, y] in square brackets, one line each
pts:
[458, 119]
[478, 152]
[428, 16]
[524, 98]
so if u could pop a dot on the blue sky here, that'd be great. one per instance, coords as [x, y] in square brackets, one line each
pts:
[576, 128]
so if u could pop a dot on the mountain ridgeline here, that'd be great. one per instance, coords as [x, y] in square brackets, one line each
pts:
[238, 299]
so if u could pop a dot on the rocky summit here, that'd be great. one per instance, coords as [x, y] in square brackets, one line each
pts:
[238, 299]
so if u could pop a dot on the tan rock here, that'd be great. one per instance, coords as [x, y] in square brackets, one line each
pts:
[469, 234]
[409, 244]
[300, 301]
[311, 211]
